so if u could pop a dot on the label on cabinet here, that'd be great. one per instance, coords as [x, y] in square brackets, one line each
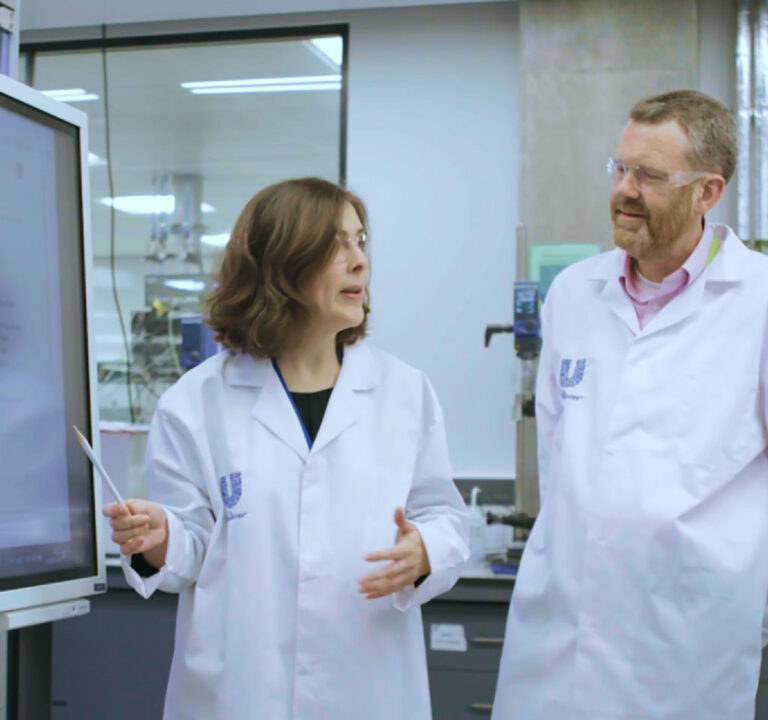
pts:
[449, 638]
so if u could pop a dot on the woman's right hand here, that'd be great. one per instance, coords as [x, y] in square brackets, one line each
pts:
[143, 530]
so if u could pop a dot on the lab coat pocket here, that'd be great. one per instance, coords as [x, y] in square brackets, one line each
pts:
[730, 417]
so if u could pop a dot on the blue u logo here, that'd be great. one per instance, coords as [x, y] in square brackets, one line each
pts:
[568, 379]
[230, 493]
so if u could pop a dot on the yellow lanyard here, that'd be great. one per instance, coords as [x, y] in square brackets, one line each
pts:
[714, 248]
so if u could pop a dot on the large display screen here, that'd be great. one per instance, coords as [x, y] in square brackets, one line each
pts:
[47, 523]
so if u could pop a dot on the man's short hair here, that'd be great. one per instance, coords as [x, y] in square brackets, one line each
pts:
[709, 125]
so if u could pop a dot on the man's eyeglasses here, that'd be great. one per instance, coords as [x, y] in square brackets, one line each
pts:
[346, 245]
[646, 178]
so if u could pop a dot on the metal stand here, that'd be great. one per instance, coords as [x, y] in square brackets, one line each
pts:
[9, 37]
[527, 331]
[3, 675]
[527, 476]
[28, 695]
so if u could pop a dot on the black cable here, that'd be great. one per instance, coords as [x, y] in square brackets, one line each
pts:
[112, 258]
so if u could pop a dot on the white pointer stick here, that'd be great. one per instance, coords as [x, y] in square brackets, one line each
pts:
[89, 452]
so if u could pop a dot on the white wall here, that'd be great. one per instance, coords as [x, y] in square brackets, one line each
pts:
[433, 149]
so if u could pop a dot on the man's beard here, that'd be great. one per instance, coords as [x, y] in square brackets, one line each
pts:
[653, 239]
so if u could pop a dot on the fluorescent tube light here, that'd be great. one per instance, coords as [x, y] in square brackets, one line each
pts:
[141, 204]
[70, 95]
[65, 92]
[185, 285]
[264, 85]
[148, 204]
[255, 82]
[266, 88]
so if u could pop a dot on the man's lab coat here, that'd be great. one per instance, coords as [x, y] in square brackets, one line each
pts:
[641, 590]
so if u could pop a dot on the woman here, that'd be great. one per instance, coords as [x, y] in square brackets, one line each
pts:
[304, 501]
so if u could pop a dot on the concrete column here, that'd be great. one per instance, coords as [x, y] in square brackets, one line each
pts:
[584, 64]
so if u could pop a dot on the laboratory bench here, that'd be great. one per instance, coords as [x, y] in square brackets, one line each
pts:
[464, 632]
[113, 663]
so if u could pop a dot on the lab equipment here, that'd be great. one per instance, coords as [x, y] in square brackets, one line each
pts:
[476, 529]
[508, 561]
[197, 342]
[50, 534]
[166, 341]
[518, 520]
[178, 226]
[527, 325]
[182, 292]
[527, 330]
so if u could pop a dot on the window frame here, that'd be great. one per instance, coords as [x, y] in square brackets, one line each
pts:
[142, 36]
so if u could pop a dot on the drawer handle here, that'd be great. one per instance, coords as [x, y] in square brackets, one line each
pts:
[485, 707]
[488, 640]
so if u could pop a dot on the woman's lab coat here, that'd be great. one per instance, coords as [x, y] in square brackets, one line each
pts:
[641, 591]
[267, 540]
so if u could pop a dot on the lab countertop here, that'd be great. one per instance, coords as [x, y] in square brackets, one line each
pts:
[484, 572]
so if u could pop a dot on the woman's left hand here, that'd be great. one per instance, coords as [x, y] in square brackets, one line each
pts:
[409, 562]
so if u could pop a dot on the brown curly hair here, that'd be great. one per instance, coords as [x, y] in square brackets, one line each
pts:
[285, 234]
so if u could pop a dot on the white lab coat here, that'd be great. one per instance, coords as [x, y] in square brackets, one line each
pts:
[641, 590]
[267, 540]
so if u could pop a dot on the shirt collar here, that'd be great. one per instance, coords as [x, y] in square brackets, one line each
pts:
[685, 275]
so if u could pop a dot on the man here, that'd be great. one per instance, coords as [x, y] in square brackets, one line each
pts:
[641, 591]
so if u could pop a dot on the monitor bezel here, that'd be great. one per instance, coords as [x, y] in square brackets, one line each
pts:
[36, 595]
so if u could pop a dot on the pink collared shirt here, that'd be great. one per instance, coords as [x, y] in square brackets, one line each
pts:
[648, 297]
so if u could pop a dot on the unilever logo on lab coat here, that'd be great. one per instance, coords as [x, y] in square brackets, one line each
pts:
[571, 377]
[231, 492]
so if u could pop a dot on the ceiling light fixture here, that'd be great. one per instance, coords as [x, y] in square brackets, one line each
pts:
[262, 85]
[147, 204]
[187, 285]
[70, 95]
[267, 89]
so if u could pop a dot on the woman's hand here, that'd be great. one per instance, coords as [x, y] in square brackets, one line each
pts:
[409, 562]
[144, 529]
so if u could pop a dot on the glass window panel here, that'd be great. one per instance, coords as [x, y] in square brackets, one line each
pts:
[195, 130]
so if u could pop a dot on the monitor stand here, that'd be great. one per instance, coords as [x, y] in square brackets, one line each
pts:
[29, 684]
